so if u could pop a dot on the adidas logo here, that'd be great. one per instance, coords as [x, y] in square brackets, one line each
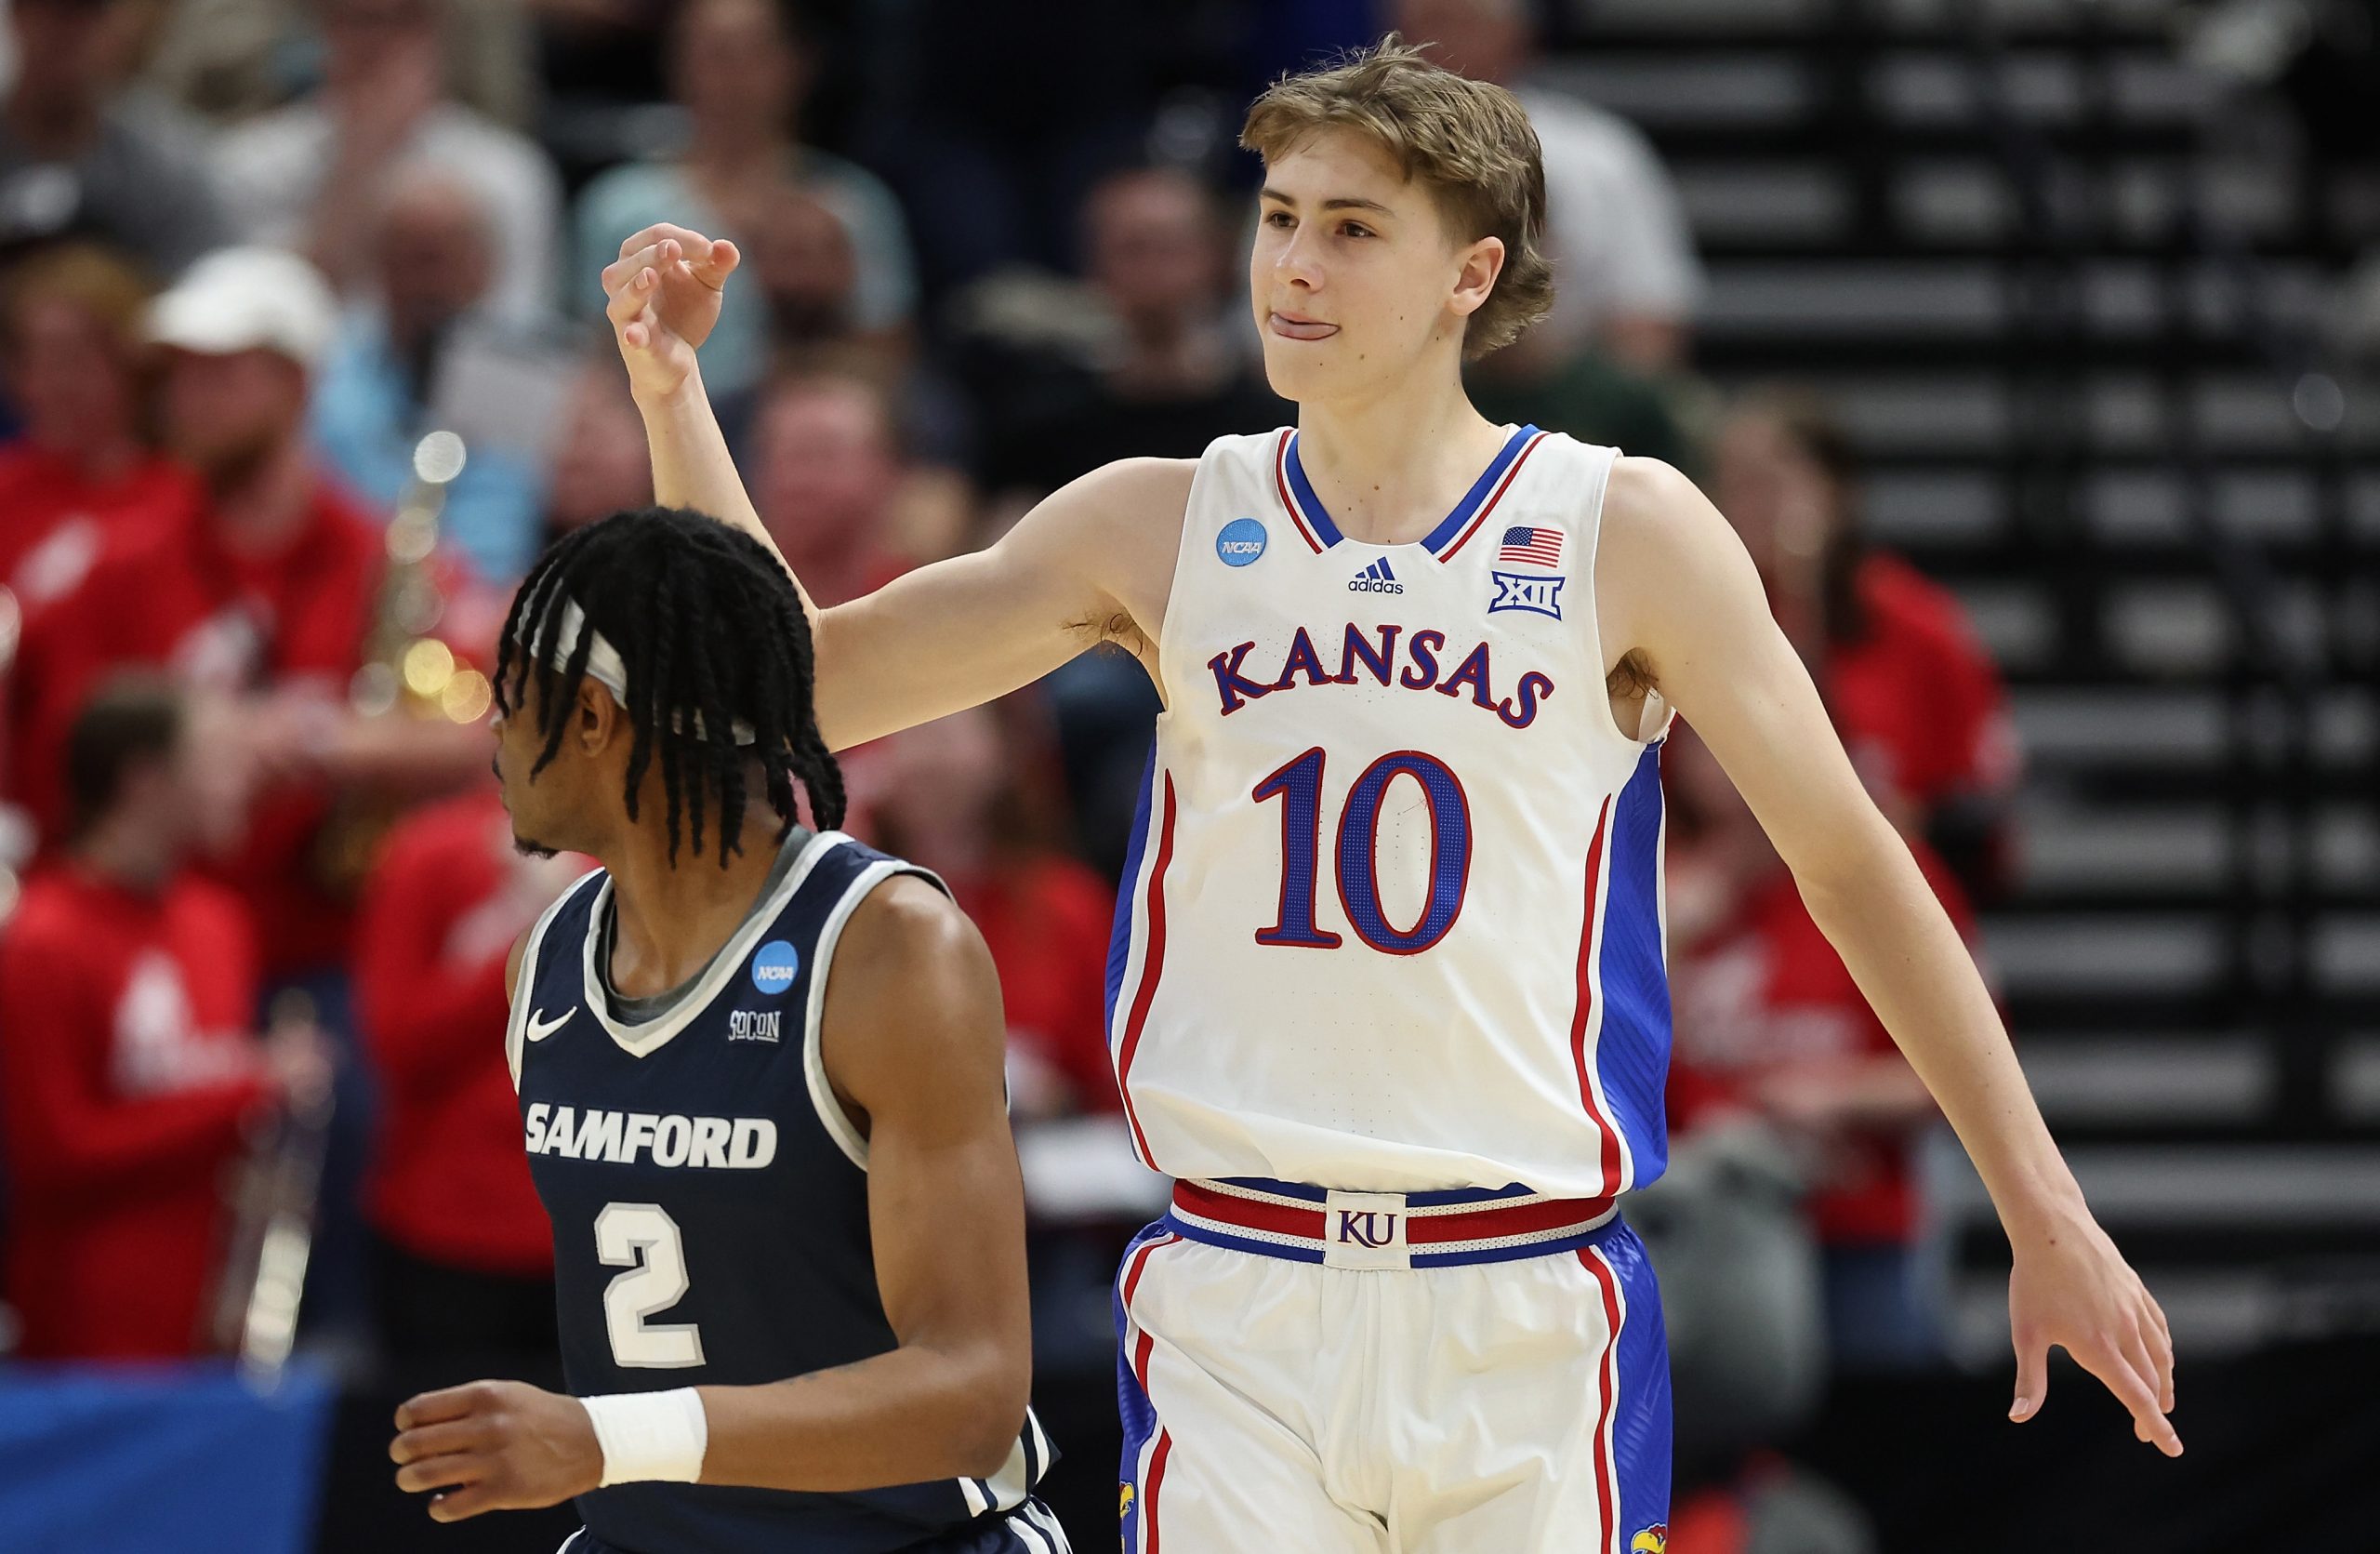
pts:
[1376, 579]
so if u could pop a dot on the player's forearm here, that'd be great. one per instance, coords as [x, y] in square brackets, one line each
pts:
[913, 1415]
[1877, 910]
[691, 467]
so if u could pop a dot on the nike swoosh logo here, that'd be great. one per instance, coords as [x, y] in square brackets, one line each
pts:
[540, 1028]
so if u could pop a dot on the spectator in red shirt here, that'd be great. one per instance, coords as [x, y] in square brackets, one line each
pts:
[1916, 698]
[956, 796]
[1770, 1023]
[128, 1068]
[263, 585]
[69, 343]
[464, 1257]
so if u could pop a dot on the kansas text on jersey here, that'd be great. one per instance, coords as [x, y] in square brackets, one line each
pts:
[1393, 918]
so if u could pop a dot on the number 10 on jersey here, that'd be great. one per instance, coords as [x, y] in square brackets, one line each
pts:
[1356, 855]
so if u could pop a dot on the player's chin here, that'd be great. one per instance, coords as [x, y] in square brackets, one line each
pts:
[1297, 369]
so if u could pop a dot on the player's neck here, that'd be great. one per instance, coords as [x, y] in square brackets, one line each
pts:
[671, 920]
[1389, 466]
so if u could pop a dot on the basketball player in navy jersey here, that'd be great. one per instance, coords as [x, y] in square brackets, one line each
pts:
[760, 1079]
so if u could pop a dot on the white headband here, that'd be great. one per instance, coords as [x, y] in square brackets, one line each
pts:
[607, 668]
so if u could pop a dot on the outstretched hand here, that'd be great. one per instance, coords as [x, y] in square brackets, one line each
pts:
[2069, 1287]
[664, 295]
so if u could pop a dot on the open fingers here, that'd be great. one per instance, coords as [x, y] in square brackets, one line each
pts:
[470, 1501]
[448, 1471]
[2142, 1353]
[712, 267]
[424, 1441]
[2158, 1341]
[2129, 1379]
[430, 1408]
[2032, 1376]
[659, 232]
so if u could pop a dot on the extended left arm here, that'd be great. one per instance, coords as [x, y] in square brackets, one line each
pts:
[912, 1041]
[1676, 590]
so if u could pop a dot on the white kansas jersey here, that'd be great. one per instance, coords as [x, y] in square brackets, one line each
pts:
[1391, 921]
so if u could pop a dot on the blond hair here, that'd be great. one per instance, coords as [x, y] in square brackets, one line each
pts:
[1469, 142]
[100, 281]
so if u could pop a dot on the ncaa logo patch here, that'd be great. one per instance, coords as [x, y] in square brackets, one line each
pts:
[1537, 595]
[774, 966]
[1242, 541]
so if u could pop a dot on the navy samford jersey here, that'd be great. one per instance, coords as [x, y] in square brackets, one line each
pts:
[709, 1202]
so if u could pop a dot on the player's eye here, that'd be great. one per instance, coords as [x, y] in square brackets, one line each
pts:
[1276, 219]
[1356, 228]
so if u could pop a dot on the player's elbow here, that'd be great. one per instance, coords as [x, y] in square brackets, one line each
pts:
[996, 1383]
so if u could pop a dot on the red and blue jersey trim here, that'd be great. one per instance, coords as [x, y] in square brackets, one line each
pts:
[1449, 1228]
[1316, 526]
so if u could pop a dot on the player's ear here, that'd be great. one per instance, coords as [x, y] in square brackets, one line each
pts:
[1482, 262]
[597, 720]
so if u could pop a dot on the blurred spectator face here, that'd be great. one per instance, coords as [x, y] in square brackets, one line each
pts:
[1155, 247]
[215, 774]
[1780, 498]
[827, 467]
[1348, 300]
[70, 51]
[601, 466]
[947, 772]
[72, 319]
[1488, 40]
[226, 414]
[69, 374]
[437, 258]
[736, 66]
[164, 765]
[362, 36]
[802, 258]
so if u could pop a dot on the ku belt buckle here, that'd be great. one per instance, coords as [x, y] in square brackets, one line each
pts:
[1365, 1230]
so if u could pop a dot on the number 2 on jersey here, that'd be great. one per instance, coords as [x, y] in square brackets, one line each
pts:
[1299, 786]
[644, 1239]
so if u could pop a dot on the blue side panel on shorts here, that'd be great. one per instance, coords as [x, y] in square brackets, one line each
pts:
[1635, 1051]
[1643, 1432]
[1132, 1405]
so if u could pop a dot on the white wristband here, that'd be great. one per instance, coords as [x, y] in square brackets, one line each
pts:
[650, 1435]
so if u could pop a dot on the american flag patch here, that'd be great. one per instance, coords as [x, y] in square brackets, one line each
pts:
[1537, 547]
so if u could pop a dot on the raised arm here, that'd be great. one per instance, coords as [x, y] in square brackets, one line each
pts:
[1675, 589]
[1088, 564]
[912, 1041]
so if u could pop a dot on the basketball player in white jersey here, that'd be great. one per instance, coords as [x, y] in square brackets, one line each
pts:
[1388, 989]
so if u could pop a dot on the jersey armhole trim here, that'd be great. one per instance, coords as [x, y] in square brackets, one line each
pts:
[1655, 708]
[515, 1020]
[831, 1115]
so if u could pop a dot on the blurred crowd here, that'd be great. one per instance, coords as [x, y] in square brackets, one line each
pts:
[258, 251]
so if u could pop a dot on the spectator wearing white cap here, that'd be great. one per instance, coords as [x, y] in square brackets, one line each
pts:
[311, 177]
[78, 158]
[263, 583]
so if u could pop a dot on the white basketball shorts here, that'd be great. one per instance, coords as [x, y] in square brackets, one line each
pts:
[1469, 1372]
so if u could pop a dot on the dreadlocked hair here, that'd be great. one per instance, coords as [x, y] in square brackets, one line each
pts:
[712, 636]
